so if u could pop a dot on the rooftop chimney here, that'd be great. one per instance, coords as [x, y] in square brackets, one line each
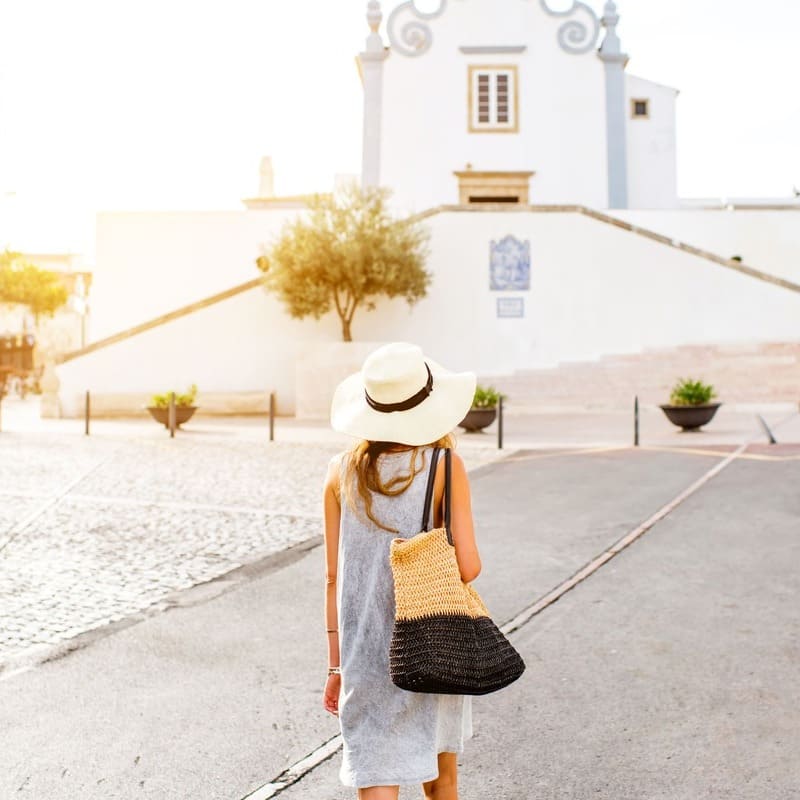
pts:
[267, 183]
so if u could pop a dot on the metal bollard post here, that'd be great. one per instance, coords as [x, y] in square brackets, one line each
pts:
[767, 430]
[172, 415]
[272, 416]
[87, 413]
[636, 421]
[500, 423]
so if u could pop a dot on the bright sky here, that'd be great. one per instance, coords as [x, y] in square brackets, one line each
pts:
[170, 104]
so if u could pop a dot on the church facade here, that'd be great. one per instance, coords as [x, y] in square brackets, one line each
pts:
[545, 175]
[510, 101]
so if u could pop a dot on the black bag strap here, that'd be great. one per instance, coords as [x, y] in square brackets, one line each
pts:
[448, 480]
[426, 511]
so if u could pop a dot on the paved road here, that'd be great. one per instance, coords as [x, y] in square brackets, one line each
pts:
[670, 673]
[96, 530]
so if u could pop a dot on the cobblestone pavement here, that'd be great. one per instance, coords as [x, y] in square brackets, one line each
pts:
[93, 531]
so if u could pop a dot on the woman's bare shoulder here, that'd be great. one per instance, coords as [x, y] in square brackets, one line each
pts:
[458, 475]
[458, 465]
[336, 464]
[338, 461]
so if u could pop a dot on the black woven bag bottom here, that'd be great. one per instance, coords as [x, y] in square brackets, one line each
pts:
[452, 654]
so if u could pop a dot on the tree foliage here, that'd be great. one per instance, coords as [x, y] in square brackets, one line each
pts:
[41, 290]
[344, 254]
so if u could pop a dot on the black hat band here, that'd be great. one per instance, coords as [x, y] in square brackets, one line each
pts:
[405, 405]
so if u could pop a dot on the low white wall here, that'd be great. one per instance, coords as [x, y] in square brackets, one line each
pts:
[319, 368]
[595, 289]
[149, 263]
[245, 345]
[768, 240]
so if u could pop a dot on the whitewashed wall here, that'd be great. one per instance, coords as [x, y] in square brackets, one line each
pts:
[245, 345]
[768, 240]
[562, 135]
[150, 263]
[652, 159]
[595, 289]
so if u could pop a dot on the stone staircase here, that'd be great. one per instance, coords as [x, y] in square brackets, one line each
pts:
[756, 373]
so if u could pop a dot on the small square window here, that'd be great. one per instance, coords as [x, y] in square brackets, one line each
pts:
[493, 99]
[640, 109]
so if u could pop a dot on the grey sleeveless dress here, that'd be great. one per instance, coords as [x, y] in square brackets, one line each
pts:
[391, 736]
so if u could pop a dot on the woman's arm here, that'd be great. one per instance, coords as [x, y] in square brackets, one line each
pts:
[469, 560]
[332, 511]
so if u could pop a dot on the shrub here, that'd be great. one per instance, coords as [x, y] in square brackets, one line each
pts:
[485, 397]
[162, 400]
[688, 392]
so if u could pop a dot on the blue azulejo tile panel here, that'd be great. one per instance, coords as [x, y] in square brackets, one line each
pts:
[510, 265]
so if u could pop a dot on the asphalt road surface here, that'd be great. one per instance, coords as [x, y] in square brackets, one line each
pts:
[669, 672]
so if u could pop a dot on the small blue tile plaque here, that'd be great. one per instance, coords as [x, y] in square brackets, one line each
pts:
[510, 307]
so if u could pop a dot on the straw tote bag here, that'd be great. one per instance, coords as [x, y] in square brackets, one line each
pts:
[443, 640]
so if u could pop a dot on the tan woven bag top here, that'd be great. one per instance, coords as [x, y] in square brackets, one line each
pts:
[426, 576]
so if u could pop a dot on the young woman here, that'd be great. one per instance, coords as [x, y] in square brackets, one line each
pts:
[399, 406]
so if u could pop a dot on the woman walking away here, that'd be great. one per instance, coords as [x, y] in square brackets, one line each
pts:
[400, 407]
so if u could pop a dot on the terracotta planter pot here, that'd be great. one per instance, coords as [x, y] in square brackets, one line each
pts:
[182, 414]
[477, 419]
[690, 418]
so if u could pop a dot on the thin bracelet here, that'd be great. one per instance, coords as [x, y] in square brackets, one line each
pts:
[334, 671]
[332, 630]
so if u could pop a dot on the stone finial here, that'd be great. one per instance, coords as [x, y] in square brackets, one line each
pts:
[374, 18]
[374, 15]
[611, 46]
[610, 15]
[267, 175]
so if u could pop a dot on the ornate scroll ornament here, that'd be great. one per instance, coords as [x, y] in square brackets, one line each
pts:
[414, 37]
[576, 36]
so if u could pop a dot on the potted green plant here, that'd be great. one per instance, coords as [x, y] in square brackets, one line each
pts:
[690, 405]
[184, 406]
[483, 411]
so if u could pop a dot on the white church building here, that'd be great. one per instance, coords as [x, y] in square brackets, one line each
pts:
[529, 105]
[564, 264]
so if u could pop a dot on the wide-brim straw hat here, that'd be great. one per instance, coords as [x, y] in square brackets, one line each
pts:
[401, 396]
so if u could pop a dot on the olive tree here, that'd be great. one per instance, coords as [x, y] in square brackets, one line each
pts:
[345, 253]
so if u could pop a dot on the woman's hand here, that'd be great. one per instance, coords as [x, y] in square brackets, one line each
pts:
[331, 699]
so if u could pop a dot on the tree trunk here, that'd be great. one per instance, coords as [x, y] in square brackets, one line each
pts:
[346, 316]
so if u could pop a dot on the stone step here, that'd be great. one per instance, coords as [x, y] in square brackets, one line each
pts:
[742, 373]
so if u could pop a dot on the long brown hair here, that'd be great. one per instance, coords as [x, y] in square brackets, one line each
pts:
[362, 476]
